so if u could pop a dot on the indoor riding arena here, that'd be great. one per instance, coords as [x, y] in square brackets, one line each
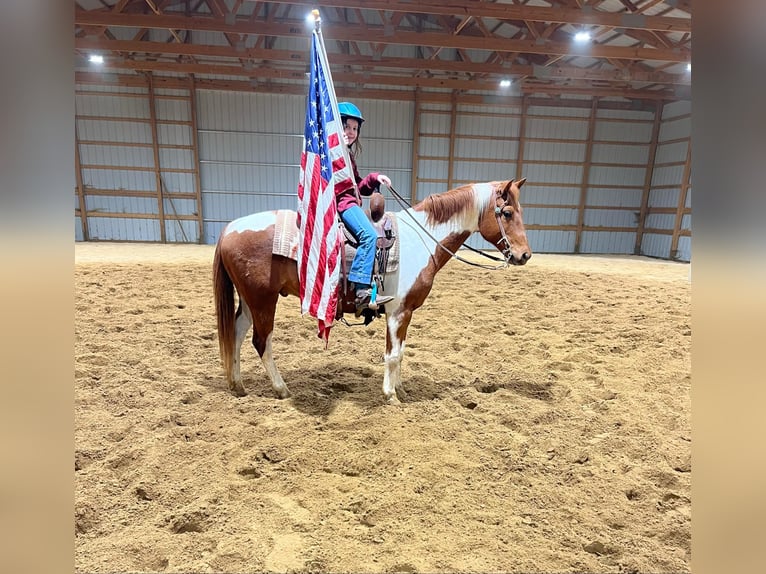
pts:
[547, 420]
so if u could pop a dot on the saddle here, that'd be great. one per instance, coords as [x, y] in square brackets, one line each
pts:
[386, 257]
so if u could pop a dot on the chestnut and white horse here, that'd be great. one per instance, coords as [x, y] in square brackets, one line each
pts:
[244, 260]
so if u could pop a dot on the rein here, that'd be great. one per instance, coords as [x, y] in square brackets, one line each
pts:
[506, 252]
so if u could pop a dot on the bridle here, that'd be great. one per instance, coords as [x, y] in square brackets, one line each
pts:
[506, 251]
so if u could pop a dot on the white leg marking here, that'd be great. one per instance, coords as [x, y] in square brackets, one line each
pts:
[392, 375]
[241, 328]
[277, 383]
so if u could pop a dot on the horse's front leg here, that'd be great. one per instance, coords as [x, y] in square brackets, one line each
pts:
[396, 333]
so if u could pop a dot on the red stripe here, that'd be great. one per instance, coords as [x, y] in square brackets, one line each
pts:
[325, 263]
[338, 164]
[333, 139]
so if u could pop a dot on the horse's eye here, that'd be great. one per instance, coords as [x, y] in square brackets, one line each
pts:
[508, 214]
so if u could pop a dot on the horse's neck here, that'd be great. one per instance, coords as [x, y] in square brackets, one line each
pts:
[464, 223]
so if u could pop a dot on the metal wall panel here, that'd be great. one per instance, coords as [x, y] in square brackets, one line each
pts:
[684, 248]
[78, 236]
[566, 130]
[676, 109]
[655, 245]
[544, 241]
[116, 156]
[535, 194]
[674, 129]
[432, 169]
[671, 152]
[610, 218]
[541, 173]
[482, 125]
[114, 179]
[174, 135]
[104, 105]
[615, 197]
[615, 153]
[660, 221]
[617, 176]
[554, 151]
[663, 198]
[477, 171]
[550, 216]
[623, 132]
[433, 146]
[109, 204]
[114, 131]
[668, 175]
[114, 229]
[181, 231]
[607, 242]
[479, 150]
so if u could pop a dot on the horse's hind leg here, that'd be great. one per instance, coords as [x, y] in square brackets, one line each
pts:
[241, 327]
[263, 327]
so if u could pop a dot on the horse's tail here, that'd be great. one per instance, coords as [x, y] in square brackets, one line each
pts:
[223, 290]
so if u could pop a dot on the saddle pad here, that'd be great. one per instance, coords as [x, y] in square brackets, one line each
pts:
[286, 235]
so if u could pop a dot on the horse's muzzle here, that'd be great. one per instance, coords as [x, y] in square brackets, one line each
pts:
[526, 256]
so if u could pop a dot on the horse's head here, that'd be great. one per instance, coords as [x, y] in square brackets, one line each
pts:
[502, 225]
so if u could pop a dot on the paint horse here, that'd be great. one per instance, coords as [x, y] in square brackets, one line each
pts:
[244, 260]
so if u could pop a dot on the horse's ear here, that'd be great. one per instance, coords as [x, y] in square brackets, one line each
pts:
[506, 190]
[521, 182]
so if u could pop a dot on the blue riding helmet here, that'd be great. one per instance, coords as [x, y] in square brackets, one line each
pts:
[349, 110]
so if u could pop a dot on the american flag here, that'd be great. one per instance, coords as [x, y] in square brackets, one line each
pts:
[324, 164]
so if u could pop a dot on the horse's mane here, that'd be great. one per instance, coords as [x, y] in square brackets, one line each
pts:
[443, 207]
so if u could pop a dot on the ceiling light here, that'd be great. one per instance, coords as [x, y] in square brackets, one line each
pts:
[505, 83]
[689, 67]
[313, 17]
[96, 59]
[582, 36]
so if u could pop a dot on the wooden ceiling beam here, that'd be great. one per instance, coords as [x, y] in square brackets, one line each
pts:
[547, 72]
[464, 8]
[346, 92]
[364, 34]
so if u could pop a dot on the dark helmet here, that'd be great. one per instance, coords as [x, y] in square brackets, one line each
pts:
[349, 110]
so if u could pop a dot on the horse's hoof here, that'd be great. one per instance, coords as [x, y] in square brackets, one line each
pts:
[284, 394]
[237, 389]
[393, 400]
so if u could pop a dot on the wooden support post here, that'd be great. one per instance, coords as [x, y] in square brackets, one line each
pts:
[80, 190]
[156, 151]
[585, 175]
[648, 175]
[452, 126]
[415, 150]
[680, 208]
[522, 134]
[195, 152]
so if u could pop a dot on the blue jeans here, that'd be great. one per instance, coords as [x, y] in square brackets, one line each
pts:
[360, 227]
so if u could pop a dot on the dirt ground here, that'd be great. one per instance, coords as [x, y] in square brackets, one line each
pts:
[547, 427]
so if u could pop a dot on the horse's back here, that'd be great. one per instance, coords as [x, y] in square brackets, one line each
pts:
[256, 250]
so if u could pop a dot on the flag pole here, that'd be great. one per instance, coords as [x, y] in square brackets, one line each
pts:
[333, 97]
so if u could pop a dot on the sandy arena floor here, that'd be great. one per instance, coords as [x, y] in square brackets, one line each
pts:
[547, 427]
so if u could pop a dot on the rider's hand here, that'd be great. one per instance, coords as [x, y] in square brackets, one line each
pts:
[345, 139]
[384, 179]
